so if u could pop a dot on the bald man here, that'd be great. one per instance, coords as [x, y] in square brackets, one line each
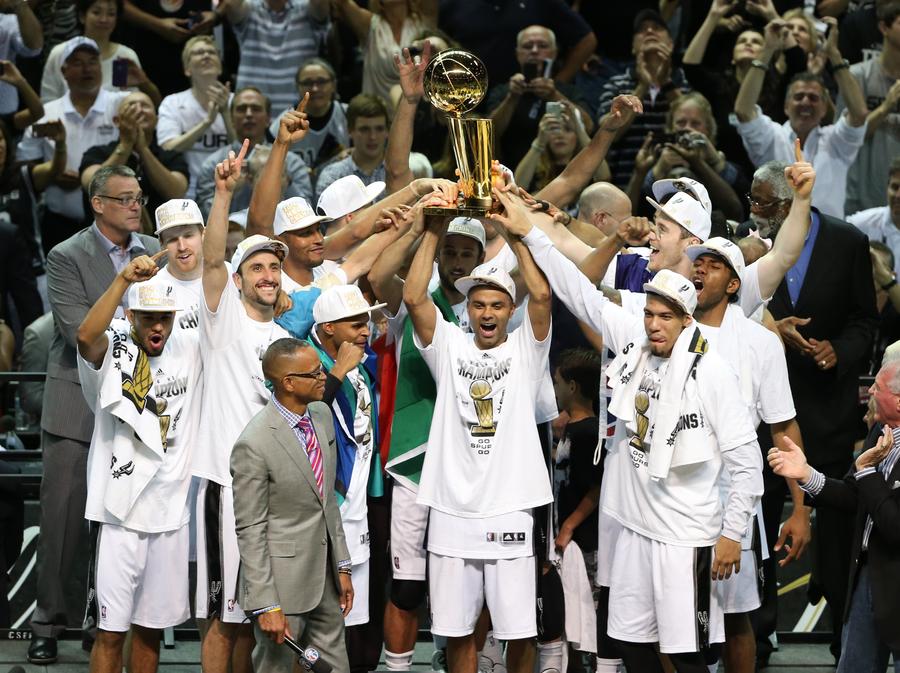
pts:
[288, 524]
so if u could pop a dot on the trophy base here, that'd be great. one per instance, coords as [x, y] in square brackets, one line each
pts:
[462, 211]
[482, 431]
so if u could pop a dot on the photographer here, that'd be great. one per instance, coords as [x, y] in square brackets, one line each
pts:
[517, 106]
[687, 149]
[560, 136]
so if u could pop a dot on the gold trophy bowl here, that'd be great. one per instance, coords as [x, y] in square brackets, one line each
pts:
[455, 82]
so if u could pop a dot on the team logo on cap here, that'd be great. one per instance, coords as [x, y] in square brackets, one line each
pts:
[296, 212]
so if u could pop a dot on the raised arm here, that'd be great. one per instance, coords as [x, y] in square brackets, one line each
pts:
[92, 339]
[34, 108]
[418, 302]
[400, 138]
[29, 26]
[566, 187]
[631, 231]
[215, 273]
[218, 105]
[356, 17]
[267, 192]
[539, 296]
[697, 47]
[785, 252]
[383, 278]
[848, 87]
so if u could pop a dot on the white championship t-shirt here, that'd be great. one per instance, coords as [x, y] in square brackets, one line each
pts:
[484, 455]
[327, 274]
[234, 390]
[189, 294]
[163, 504]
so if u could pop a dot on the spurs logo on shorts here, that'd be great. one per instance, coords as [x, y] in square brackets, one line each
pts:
[703, 621]
[215, 591]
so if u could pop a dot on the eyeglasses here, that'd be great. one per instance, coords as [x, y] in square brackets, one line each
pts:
[759, 205]
[315, 374]
[800, 95]
[126, 201]
[320, 83]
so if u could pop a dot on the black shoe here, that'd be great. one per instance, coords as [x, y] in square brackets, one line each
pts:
[762, 660]
[42, 651]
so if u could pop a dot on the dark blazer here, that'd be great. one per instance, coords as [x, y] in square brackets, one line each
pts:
[287, 533]
[880, 498]
[839, 295]
[78, 272]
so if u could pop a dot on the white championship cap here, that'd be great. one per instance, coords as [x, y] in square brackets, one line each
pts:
[253, 244]
[721, 247]
[674, 287]
[467, 226]
[339, 302]
[177, 212]
[686, 211]
[662, 188]
[76, 43]
[156, 295]
[487, 274]
[239, 217]
[346, 195]
[295, 213]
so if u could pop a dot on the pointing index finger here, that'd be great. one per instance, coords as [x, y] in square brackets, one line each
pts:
[798, 153]
[301, 106]
[158, 256]
[245, 147]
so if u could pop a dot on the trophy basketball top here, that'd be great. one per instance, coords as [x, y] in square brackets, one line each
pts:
[455, 81]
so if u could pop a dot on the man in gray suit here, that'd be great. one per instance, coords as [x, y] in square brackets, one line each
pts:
[78, 272]
[295, 565]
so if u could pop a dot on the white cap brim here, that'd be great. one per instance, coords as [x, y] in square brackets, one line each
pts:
[271, 245]
[373, 307]
[649, 288]
[305, 223]
[466, 283]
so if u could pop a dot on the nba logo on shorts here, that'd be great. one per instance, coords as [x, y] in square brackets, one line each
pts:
[230, 605]
[397, 562]
[491, 537]
[103, 611]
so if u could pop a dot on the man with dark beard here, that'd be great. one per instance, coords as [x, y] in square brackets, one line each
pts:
[236, 326]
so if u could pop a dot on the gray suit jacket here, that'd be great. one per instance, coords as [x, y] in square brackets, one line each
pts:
[287, 534]
[35, 352]
[78, 272]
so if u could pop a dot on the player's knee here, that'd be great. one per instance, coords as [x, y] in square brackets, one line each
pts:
[408, 594]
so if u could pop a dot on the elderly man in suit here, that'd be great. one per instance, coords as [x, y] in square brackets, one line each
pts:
[295, 565]
[78, 272]
[871, 490]
[825, 313]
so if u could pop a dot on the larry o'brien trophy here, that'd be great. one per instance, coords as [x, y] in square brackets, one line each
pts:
[455, 82]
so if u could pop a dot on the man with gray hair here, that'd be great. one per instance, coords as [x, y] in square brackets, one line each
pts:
[825, 313]
[518, 106]
[79, 270]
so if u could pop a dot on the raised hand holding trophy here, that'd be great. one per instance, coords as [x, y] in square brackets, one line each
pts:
[456, 82]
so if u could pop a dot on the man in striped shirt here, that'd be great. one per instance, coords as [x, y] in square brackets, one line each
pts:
[276, 36]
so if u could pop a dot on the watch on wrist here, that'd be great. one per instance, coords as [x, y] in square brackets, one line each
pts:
[891, 283]
[843, 65]
[756, 63]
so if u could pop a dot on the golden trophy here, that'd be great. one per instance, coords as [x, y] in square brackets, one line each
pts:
[484, 409]
[641, 404]
[455, 82]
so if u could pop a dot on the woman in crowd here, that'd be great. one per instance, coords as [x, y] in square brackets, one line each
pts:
[689, 150]
[98, 19]
[328, 134]
[383, 30]
[720, 85]
[560, 137]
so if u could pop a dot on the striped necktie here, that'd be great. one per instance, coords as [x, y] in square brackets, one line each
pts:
[313, 450]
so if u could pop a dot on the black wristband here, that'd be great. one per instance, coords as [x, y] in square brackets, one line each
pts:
[889, 285]
[843, 65]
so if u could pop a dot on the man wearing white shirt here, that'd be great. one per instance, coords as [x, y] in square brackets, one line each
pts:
[87, 112]
[20, 35]
[236, 327]
[883, 223]
[831, 149]
[196, 121]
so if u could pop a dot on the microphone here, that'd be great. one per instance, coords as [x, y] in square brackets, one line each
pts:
[309, 657]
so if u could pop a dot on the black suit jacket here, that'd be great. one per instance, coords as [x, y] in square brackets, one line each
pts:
[839, 295]
[873, 495]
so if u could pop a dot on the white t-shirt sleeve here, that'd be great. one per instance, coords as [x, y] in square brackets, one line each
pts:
[169, 124]
[91, 377]
[776, 402]
[221, 327]
[723, 405]
[751, 296]
[436, 352]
